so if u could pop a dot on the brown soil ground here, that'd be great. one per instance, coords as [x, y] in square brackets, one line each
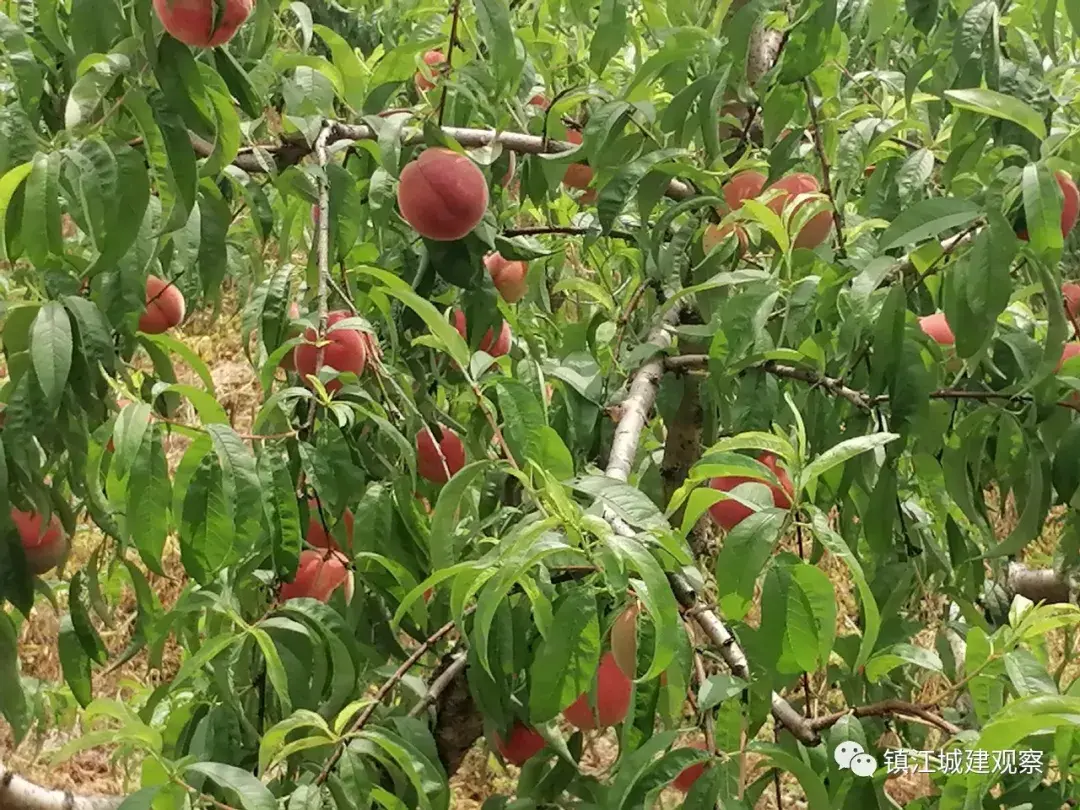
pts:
[100, 771]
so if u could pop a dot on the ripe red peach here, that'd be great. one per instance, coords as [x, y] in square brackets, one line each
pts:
[937, 329]
[624, 639]
[495, 346]
[439, 461]
[508, 276]
[539, 100]
[432, 59]
[524, 743]
[743, 186]
[730, 513]
[316, 533]
[44, 544]
[192, 21]
[716, 234]
[686, 778]
[1070, 351]
[613, 690]
[319, 574]
[346, 350]
[442, 194]
[578, 175]
[165, 307]
[815, 231]
[1070, 291]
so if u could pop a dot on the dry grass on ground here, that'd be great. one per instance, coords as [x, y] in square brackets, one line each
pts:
[481, 776]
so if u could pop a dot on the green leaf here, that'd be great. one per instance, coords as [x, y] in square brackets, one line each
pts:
[280, 511]
[51, 348]
[808, 41]
[978, 287]
[566, 662]
[12, 698]
[23, 63]
[171, 344]
[611, 31]
[239, 84]
[74, 662]
[629, 503]
[505, 52]
[898, 655]
[128, 432]
[439, 325]
[149, 496]
[717, 689]
[1042, 211]
[817, 797]
[79, 610]
[252, 794]
[41, 209]
[240, 483]
[840, 453]
[617, 191]
[444, 551]
[9, 184]
[527, 433]
[928, 218]
[92, 86]
[998, 105]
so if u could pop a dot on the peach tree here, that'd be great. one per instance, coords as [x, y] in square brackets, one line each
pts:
[698, 376]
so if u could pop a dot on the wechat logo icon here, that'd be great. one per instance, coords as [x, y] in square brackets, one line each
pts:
[852, 756]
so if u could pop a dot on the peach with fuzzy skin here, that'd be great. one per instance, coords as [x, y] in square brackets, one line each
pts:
[443, 195]
[716, 234]
[192, 21]
[319, 574]
[432, 59]
[730, 513]
[613, 689]
[346, 350]
[624, 640]
[743, 186]
[495, 346]
[815, 231]
[508, 276]
[316, 534]
[690, 774]
[44, 544]
[165, 307]
[539, 100]
[1070, 291]
[439, 461]
[524, 743]
[937, 329]
[578, 175]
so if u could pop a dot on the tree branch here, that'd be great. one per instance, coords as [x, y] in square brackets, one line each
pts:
[18, 794]
[885, 708]
[267, 158]
[819, 146]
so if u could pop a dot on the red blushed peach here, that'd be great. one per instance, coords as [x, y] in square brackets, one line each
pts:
[495, 346]
[613, 690]
[524, 743]
[716, 234]
[316, 533]
[319, 574]
[442, 195]
[1070, 205]
[1071, 293]
[815, 231]
[686, 778]
[508, 276]
[539, 100]
[578, 175]
[439, 461]
[743, 186]
[730, 513]
[165, 307]
[192, 21]
[1070, 351]
[346, 350]
[937, 329]
[624, 640]
[45, 545]
[432, 59]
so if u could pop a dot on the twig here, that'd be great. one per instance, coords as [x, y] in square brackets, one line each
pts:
[702, 678]
[438, 686]
[382, 692]
[455, 12]
[819, 145]
[322, 252]
[568, 231]
[888, 707]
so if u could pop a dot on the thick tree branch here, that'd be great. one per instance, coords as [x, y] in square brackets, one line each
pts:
[899, 708]
[18, 794]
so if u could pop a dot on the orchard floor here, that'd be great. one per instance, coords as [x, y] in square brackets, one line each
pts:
[481, 776]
